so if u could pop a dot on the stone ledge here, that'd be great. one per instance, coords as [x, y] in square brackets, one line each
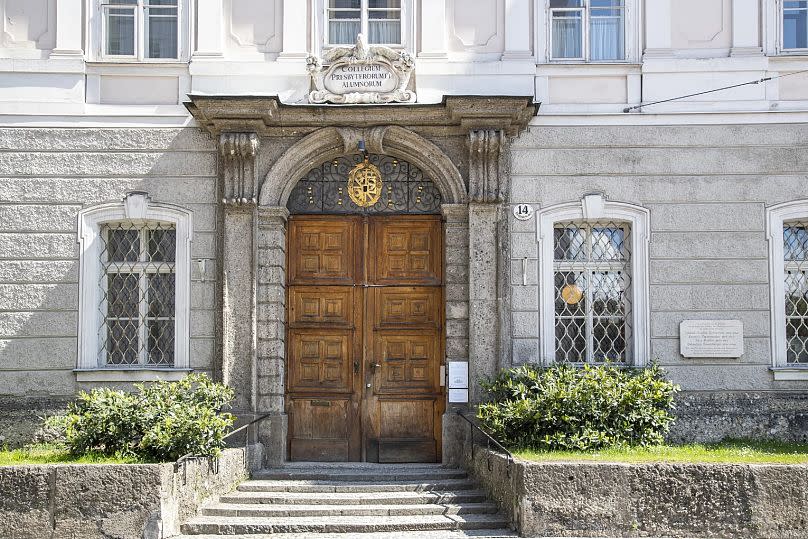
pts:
[147, 501]
[595, 499]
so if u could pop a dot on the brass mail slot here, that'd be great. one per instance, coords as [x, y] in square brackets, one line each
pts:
[321, 403]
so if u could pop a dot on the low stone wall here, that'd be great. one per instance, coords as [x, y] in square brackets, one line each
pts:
[111, 501]
[586, 499]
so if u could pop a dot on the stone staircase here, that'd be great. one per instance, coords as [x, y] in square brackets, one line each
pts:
[343, 500]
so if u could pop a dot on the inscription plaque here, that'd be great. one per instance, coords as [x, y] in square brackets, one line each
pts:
[711, 338]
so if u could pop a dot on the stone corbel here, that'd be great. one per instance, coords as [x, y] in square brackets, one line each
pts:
[486, 178]
[238, 152]
[373, 137]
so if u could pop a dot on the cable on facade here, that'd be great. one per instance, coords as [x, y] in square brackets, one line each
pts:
[757, 81]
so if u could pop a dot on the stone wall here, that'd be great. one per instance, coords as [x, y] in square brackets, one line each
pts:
[46, 176]
[588, 499]
[707, 188]
[120, 501]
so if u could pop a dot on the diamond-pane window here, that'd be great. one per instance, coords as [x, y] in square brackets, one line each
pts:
[137, 294]
[592, 292]
[795, 265]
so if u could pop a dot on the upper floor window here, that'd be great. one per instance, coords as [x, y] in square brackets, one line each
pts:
[134, 307]
[795, 24]
[590, 30]
[140, 29]
[378, 20]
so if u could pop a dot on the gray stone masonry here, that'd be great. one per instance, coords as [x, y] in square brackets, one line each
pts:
[586, 499]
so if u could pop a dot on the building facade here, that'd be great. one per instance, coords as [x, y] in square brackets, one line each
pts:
[181, 193]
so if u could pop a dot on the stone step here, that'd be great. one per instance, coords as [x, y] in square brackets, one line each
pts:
[276, 485]
[343, 524]
[355, 498]
[442, 534]
[278, 510]
[360, 475]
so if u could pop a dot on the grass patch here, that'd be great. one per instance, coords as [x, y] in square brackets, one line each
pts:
[54, 454]
[729, 452]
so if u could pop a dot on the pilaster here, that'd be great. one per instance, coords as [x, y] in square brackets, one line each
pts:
[658, 31]
[295, 31]
[434, 44]
[69, 25]
[237, 173]
[517, 30]
[210, 32]
[487, 187]
[746, 28]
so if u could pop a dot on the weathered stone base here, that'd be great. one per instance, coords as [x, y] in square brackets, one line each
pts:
[714, 416]
[22, 417]
[147, 501]
[586, 499]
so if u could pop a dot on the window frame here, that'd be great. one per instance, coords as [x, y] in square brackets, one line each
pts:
[136, 208]
[320, 41]
[364, 18]
[98, 27]
[632, 34]
[592, 209]
[776, 216]
[781, 34]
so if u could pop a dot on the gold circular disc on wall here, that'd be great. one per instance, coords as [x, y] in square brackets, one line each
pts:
[365, 184]
[571, 294]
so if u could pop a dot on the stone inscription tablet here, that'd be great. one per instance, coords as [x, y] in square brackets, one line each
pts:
[343, 79]
[711, 338]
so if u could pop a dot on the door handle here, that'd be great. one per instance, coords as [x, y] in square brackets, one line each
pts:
[374, 365]
[356, 367]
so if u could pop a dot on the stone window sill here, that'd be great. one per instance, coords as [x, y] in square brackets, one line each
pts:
[790, 373]
[129, 374]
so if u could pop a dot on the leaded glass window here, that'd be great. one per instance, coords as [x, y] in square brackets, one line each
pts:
[137, 302]
[592, 292]
[405, 188]
[795, 265]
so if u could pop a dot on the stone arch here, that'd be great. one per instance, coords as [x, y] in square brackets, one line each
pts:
[331, 142]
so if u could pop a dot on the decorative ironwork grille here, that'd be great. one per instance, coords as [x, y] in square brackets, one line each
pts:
[137, 294]
[592, 292]
[795, 253]
[405, 189]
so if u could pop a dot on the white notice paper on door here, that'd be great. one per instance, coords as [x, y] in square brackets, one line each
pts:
[458, 375]
[458, 395]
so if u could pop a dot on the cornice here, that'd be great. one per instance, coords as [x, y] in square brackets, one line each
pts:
[454, 115]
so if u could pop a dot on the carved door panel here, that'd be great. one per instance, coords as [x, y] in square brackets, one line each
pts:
[323, 339]
[404, 328]
[364, 338]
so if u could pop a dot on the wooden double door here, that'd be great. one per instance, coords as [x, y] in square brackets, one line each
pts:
[365, 338]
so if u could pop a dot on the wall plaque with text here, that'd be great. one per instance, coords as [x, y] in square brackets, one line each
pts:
[361, 74]
[711, 338]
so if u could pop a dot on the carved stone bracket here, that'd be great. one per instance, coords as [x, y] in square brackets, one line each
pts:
[486, 177]
[373, 137]
[238, 152]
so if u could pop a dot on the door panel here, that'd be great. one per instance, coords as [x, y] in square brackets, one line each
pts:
[365, 338]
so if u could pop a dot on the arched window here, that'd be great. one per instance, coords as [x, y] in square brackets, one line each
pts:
[135, 287]
[403, 189]
[787, 233]
[593, 282]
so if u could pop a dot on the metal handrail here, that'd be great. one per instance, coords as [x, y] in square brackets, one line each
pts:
[489, 440]
[190, 456]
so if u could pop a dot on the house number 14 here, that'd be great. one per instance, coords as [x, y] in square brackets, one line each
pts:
[523, 212]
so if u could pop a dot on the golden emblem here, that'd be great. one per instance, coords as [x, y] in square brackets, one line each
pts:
[571, 294]
[365, 184]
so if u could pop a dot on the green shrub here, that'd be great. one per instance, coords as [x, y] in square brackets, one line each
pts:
[162, 421]
[564, 407]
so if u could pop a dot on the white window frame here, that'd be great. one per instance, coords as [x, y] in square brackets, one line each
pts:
[776, 216]
[781, 32]
[632, 18]
[596, 208]
[97, 28]
[136, 208]
[320, 26]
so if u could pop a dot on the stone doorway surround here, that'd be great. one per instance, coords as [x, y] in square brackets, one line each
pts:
[461, 144]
